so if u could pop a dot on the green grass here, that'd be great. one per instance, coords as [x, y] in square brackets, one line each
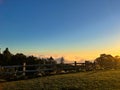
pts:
[94, 80]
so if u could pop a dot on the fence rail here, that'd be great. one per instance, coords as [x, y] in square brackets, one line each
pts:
[42, 69]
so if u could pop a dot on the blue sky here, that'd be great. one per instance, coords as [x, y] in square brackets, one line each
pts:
[69, 28]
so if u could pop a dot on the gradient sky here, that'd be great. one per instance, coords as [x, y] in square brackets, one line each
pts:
[75, 29]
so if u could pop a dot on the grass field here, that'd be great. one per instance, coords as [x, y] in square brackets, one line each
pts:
[94, 80]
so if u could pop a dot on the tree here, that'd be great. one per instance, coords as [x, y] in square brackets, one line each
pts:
[7, 57]
[19, 58]
[105, 61]
[1, 59]
[51, 60]
[117, 61]
[31, 60]
[62, 60]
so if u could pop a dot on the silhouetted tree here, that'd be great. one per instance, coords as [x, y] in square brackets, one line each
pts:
[31, 60]
[1, 59]
[7, 57]
[18, 59]
[105, 61]
[62, 60]
[51, 60]
[117, 61]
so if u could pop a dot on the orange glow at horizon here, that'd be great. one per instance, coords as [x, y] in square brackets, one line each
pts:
[78, 56]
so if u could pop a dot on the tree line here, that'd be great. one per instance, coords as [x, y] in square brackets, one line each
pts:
[7, 58]
[104, 61]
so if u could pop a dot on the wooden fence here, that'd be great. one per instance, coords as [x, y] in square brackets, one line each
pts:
[8, 72]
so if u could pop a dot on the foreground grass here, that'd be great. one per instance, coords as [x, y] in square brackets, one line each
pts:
[95, 80]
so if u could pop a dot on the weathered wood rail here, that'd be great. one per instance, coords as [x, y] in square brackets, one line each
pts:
[15, 71]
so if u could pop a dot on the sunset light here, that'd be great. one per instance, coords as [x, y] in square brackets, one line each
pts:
[76, 30]
[59, 44]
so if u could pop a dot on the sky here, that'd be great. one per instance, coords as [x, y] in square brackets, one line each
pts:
[73, 29]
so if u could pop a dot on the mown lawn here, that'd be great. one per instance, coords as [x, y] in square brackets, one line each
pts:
[94, 80]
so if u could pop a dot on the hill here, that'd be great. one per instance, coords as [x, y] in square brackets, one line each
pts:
[93, 80]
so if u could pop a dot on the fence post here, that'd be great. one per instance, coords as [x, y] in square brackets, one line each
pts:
[24, 68]
[75, 65]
